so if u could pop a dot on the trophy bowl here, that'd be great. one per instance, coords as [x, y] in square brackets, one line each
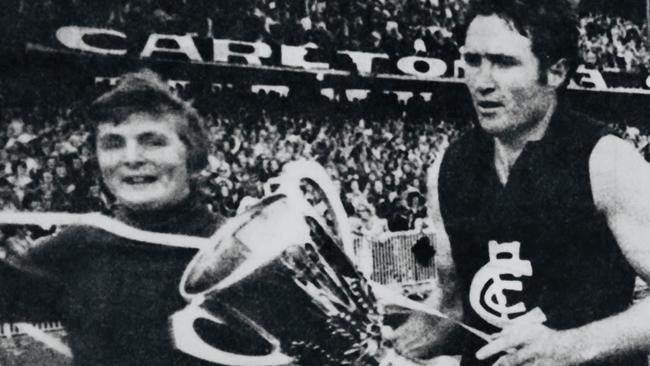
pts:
[276, 270]
[279, 275]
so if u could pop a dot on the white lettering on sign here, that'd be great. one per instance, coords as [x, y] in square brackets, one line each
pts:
[364, 60]
[101, 41]
[436, 67]
[185, 46]
[222, 51]
[294, 56]
[73, 37]
[589, 78]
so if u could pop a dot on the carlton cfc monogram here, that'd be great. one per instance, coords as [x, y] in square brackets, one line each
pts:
[487, 296]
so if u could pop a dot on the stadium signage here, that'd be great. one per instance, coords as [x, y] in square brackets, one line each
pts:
[111, 42]
[114, 43]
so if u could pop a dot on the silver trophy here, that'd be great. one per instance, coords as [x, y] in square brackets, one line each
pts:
[278, 272]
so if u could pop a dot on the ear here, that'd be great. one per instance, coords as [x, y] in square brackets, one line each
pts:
[557, 73]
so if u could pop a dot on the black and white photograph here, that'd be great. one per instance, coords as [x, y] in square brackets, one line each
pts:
[325, 183]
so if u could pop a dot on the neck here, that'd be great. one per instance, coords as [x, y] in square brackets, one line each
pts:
[155, 218]
[508, 148]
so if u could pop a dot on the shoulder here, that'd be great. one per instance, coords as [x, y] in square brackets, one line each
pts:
[67, 235]
[610, 149]
[466, 143]
[582, 131]
[462, 158]
[63, 242]
[617, 172]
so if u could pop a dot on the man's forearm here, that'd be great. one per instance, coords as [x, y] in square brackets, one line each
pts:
[619, 334]
[424, 336]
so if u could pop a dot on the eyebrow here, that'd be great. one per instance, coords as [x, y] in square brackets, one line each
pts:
[109, 137]
[494, 57]
[149, 135]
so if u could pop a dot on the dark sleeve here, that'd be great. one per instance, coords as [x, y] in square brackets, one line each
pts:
[30, 288]
[54, 254]
[25, 297]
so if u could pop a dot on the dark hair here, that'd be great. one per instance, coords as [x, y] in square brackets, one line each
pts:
[146, 92]
[551, 25]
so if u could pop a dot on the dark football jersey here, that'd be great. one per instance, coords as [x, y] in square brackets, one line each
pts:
[536, 242]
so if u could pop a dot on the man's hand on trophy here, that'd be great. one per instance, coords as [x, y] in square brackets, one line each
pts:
[416, 339]
[398, 358]
[528, 344]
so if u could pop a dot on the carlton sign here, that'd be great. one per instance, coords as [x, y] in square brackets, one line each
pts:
[306, 57]
[95, 40]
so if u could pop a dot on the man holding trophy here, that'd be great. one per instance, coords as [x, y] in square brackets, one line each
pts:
[542, 214]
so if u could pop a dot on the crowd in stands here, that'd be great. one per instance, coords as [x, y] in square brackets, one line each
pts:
[433, 28]
[614, 43]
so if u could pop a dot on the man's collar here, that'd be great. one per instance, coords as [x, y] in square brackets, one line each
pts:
[556, 129]
[555, 134]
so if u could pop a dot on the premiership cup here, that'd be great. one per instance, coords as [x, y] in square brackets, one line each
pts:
[280, 275]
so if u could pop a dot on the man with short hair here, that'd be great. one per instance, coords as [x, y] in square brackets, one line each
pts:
[540, 211]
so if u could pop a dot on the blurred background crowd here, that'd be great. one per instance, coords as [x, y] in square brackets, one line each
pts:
[614, 43]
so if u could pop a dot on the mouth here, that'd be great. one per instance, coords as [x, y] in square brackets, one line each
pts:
[487, 106]
[136, 180]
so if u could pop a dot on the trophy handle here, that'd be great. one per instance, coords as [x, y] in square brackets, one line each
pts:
[289, 184]
[186, 340]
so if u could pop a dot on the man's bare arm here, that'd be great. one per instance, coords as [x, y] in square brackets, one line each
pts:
[620, 181]
[621, 188]
[423, 336]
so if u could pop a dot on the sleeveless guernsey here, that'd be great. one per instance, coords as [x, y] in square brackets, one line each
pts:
[538, 241]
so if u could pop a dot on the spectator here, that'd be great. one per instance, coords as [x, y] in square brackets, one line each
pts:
[366, 223]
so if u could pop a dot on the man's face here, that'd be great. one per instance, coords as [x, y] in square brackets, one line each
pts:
[502, 75]
[143, 161]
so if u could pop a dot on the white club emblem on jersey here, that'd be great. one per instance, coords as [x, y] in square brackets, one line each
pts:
[486, 294]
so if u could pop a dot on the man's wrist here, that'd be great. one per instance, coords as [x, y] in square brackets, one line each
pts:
[581, 348]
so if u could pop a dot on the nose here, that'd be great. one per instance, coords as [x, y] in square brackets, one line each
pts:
[133, 154]
[482, 79]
